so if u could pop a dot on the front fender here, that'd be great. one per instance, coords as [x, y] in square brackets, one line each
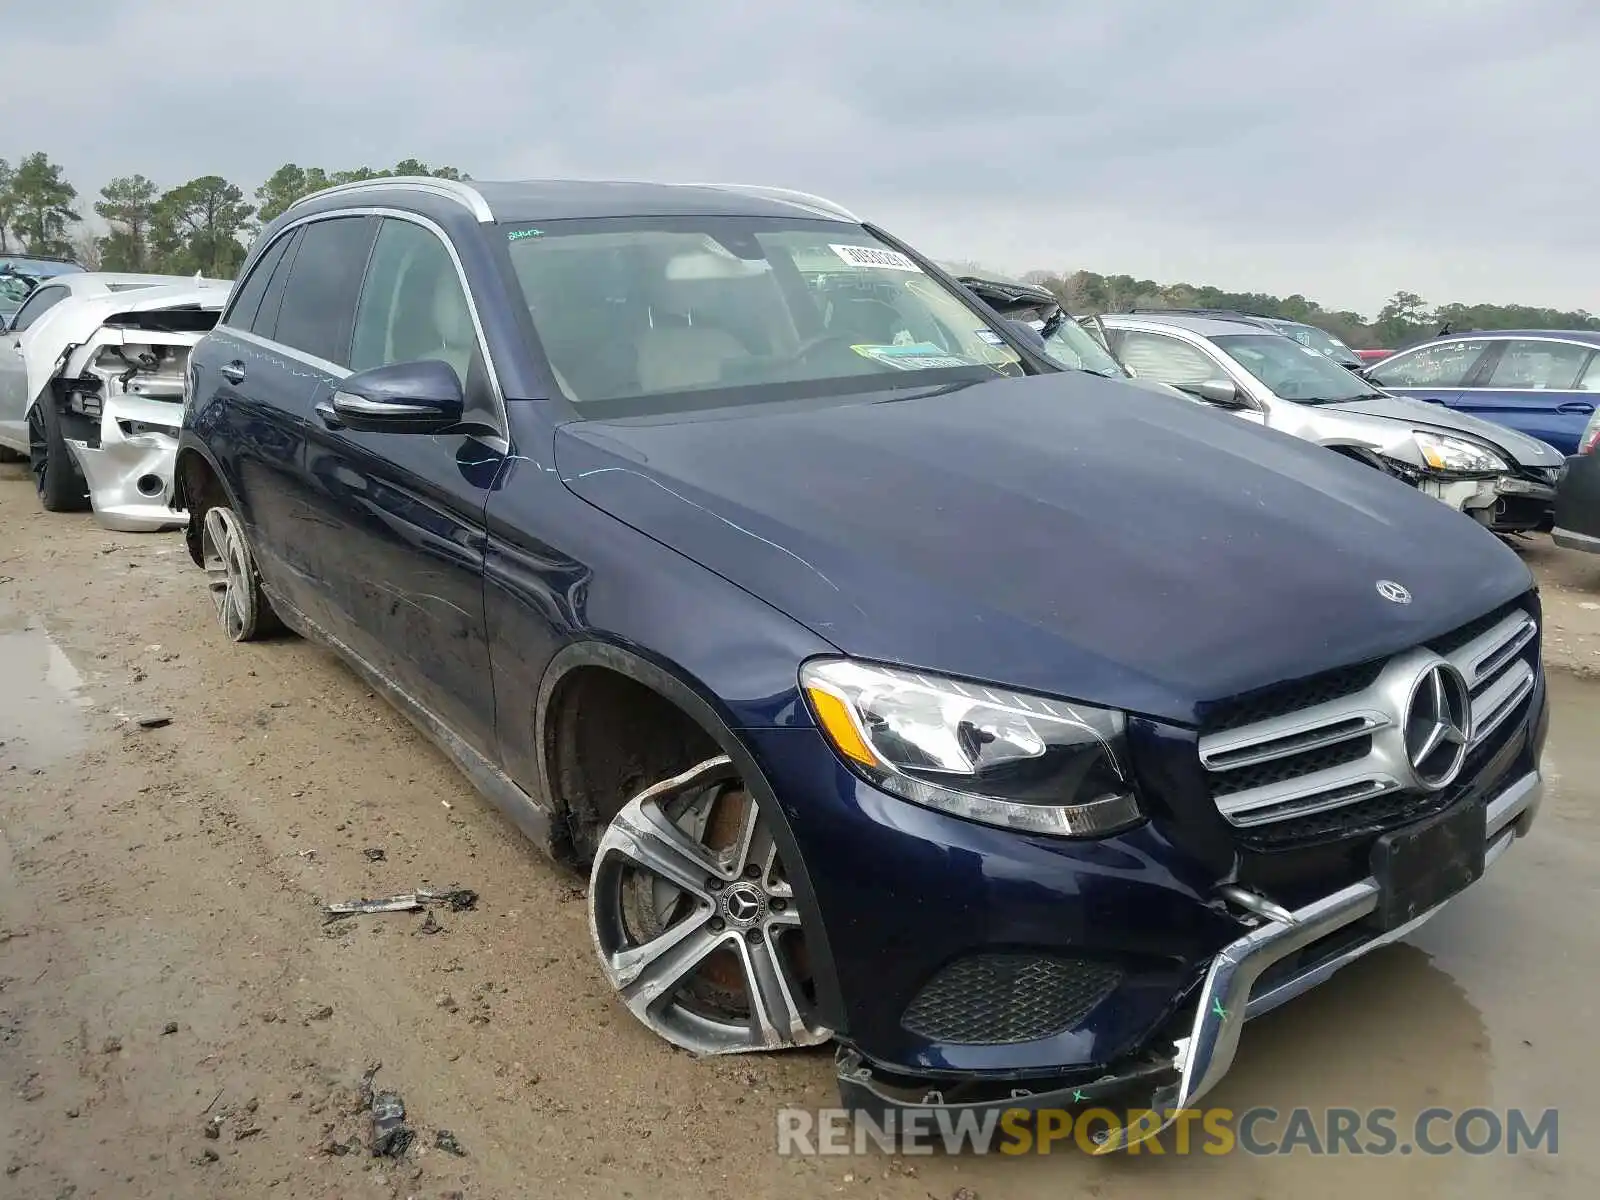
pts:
[688, 696]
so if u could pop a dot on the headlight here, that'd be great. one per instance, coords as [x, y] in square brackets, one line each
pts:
[1003, 758]
[1444, 453]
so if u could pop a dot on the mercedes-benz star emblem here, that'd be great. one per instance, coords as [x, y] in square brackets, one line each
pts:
[1438, 725]
[743, 904]
[1393, 592]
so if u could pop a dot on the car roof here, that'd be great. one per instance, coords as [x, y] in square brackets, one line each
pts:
[1204, 326]
[554, 199]
[1589, 337]
[95, 283]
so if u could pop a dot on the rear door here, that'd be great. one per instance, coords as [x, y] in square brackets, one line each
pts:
[255, 386]
[1543, 387]
[1436, 371]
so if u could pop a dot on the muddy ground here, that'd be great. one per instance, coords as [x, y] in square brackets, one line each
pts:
[165, 972]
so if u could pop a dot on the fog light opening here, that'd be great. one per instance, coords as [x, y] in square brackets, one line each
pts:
[149, 485]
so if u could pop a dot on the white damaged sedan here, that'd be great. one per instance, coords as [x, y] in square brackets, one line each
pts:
[92, 373]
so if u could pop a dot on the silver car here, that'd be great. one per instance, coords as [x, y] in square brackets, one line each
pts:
[1501, 478]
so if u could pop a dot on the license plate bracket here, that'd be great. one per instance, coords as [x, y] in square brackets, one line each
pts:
[1421, 866]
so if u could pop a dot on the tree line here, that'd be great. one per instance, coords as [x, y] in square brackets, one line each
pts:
[1406, 318]
[203, 225]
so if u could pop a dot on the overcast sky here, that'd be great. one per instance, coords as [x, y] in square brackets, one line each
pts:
[1342, 150]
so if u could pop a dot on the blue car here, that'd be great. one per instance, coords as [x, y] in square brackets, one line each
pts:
[1020, 730]
[20, 274]
[1543, 383]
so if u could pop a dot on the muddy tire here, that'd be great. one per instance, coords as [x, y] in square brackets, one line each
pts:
[242, 608]
[56, 477]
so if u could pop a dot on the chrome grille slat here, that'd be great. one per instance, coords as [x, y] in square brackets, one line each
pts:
[1487, 653]
[1309, 729]
[1301, 797]
[1297, 753]
[1499, 700]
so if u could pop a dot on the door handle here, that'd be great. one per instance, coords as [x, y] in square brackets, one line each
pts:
[233, 372]
[1576, 408]
[329, 416]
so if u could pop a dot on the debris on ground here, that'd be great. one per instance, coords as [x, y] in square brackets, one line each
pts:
[374, 854]
[391, 1136]
[430, 924]
[457, 899]
[111, 1045]
[155, 720]
[169, 1028]
[321, 1013]
[444, 1140]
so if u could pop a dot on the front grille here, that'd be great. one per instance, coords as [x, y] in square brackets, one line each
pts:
[1000, 998]
[1308, 760]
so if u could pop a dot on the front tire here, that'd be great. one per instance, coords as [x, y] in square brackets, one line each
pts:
[695, 922]
[56, 477]
[243, 609]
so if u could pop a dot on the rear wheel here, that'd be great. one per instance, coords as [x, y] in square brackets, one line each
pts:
[242, 608]
[56, 477]
[695, 921]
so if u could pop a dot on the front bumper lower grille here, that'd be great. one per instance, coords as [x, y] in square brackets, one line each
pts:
[992, 999]
[1307, 759]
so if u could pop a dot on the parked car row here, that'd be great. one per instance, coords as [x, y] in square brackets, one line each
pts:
[902, 673]
[1501, 478]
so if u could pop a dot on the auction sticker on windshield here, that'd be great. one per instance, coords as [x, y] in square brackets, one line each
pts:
[875, 256]
[914, 356]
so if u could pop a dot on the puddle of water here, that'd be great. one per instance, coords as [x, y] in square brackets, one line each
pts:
[41, 702]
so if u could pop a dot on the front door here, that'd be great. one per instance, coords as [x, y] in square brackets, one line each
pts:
[398, 519]
[14, 372]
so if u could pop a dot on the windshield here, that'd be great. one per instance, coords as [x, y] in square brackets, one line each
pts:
[1293, 371]
[1320, 340]
[1075, 348]
[646, 315]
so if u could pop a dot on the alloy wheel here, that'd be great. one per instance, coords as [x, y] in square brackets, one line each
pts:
[695, 921]
[229, 573]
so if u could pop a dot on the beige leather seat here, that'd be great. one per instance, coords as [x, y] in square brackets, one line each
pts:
[672, 357]
[452, 323]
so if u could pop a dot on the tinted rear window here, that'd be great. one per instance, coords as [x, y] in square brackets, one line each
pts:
[319, 298]
[247, 301]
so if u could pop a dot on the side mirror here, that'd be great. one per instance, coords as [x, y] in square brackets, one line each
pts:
[1220, 392]
[414, 397]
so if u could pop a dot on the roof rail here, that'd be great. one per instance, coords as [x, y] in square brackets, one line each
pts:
[820, 205]
[462, 193]
[1228, 313]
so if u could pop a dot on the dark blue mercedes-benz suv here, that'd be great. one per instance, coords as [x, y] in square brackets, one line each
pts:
[1021, 730]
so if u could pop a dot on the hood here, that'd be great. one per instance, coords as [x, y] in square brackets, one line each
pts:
[74, 321]
[1523, 450]
[1063, 533]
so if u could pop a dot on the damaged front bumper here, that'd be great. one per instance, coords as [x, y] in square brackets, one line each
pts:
[1308, 944]
[1503, 503]
[128, 467]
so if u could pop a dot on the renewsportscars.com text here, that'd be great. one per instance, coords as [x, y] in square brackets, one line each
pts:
[1211, 1131]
